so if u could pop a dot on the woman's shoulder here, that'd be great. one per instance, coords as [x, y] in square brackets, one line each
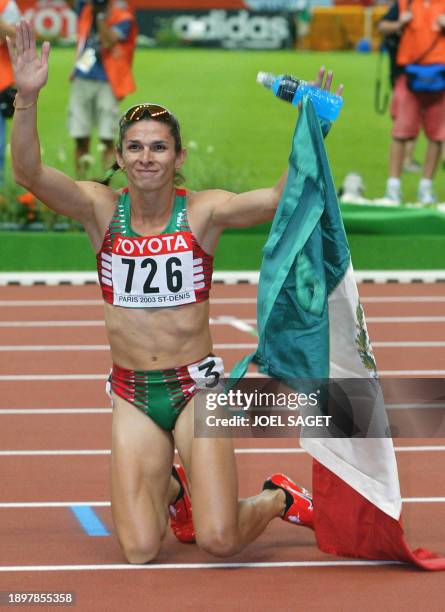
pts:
[98, 192]
[103, 198]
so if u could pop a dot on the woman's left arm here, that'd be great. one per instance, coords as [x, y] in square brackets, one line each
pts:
[258, 206]
[248, 208]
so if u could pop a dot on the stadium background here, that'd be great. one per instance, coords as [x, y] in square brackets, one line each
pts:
[200, 58]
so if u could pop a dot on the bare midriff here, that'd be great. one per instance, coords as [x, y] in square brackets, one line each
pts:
[158, 338]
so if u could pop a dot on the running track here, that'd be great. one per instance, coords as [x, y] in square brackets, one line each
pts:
[54, 440]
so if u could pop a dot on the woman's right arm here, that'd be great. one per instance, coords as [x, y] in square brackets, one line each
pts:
[58, 191]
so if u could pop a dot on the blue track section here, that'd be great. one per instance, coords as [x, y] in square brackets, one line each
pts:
[89, 521]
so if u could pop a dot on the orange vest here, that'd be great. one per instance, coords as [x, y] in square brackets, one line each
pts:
[419, 35]
[118, 60]
[6, 74]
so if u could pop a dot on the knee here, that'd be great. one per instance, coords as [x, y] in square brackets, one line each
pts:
[218, 541]
[141, 551]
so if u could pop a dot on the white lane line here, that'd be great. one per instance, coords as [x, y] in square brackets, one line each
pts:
[408, 344]
[423, 500]
[33, 303]
[431, 319]
[238, 451]
[52, 453]
[102, 347]
[86, 323]
[241, 324]
[390, 373]
[190, 566]
[419, 449]
[107, 504]
[54, 347]
[55, 411]
[96, 504]
[394, 299]
[418, 406]
[398, 449]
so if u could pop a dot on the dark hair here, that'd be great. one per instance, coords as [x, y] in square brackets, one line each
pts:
[169, 119]
[175, 131]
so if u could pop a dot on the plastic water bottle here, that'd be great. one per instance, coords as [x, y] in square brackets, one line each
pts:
[291, 89]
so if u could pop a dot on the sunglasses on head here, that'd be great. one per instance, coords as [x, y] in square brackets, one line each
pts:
[143, 111]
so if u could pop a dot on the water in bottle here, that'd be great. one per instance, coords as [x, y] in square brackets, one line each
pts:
[291, 89]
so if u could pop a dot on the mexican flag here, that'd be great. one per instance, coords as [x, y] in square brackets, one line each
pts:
[311, 326]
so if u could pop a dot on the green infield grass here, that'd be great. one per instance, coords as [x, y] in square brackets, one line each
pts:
[237, 133]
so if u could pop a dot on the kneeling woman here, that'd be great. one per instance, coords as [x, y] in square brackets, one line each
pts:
[154, 245]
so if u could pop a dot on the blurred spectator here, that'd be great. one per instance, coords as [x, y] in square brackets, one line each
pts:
[102, 75]
[391, 44]
[421, 26]
[9, 15]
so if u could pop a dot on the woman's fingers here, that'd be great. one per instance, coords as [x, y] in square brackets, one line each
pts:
[339, 91]
[26, 36]
[320, 76]
[328, 81]
[19, 38]
[11, 49]
[45, 52]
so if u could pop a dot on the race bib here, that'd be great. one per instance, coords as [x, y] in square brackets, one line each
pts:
[208, 374]
[153, 272]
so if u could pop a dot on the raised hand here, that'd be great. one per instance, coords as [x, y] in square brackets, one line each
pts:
[30, 70]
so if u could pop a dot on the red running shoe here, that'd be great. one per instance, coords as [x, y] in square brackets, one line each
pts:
[299, 507]
[181, 509]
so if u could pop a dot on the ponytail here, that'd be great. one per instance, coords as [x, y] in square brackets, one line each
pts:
[109, 174]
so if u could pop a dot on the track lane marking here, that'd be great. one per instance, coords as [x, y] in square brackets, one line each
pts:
[88, 520]
[191, 566]
[106, 504]
[77, 323]
[238, 451]
[18, 411]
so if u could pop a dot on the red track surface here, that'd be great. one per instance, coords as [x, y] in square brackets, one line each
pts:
[52, 537]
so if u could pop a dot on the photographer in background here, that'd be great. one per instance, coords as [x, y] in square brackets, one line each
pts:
[102, 75]
[421, 26]
[9, 16]
[391, 44]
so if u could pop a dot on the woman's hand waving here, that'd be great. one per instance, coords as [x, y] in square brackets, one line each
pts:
[30, 70]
